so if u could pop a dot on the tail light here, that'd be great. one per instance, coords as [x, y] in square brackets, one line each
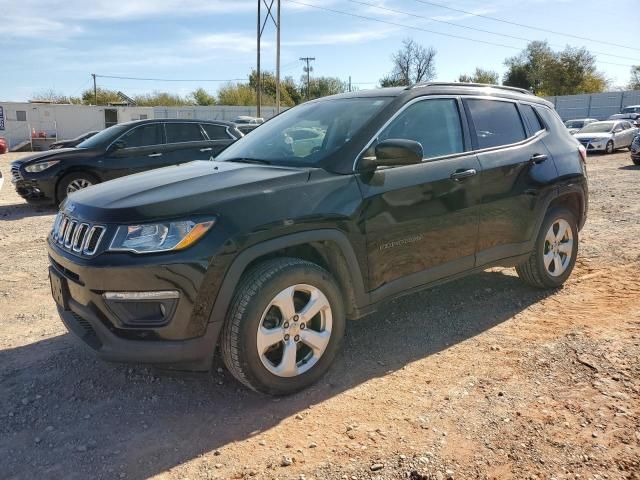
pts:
[583, 153]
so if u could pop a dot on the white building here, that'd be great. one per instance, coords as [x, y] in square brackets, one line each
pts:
[48, 122]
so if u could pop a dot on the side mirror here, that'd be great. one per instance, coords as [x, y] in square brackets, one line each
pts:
[394, 152]
[119, 145]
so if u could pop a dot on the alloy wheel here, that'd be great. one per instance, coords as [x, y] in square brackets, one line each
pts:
[558, 247]
[78, 184]
[294, 330]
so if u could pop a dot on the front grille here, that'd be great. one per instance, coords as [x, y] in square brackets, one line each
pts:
[15, 173]
[75, 236]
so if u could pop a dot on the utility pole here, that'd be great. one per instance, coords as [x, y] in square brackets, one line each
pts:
[95, 90]
[349, 83]
[259, 31]
[308, 70]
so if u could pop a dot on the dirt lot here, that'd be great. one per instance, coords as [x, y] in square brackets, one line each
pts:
[481, 378]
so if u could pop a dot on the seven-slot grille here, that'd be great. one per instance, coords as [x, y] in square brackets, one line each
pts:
[76, 236]
[15, 173]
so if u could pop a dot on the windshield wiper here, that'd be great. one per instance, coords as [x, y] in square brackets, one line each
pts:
[248, 160]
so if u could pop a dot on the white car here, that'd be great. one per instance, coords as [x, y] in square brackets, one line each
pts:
[576, 124]
[607, 136]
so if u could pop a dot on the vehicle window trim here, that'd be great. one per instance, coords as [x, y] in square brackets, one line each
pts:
[202, 132]
[530, 132]
[226, 128]
[163, 138]
[464, 126]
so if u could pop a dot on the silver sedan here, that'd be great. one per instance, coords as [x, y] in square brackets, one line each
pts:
[607, 136]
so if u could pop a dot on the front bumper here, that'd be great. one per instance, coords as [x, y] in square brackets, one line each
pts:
[187, 337]
[35, 190]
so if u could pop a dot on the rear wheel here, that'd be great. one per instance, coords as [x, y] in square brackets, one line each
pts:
[73, 182]
[636, 160]
[284, 327]
[555, 252]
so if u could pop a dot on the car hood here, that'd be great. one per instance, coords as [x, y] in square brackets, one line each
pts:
[195, 188]
[592, 135]
[58, 154]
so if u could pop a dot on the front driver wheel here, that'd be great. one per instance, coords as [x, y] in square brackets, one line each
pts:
[73, 182]
[555, 252]
[609, 147]
[284, 327]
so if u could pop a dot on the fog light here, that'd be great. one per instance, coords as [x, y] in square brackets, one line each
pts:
[142, 309]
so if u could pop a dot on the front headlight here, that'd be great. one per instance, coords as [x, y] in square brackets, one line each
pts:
[159, 237]
[40, 166]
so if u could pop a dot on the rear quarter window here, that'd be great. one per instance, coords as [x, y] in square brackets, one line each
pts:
[495, 122]
[530, 115]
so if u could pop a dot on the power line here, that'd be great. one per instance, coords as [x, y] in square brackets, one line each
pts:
[171, 79]
[523, 25]
[475, 28]
[412, 27]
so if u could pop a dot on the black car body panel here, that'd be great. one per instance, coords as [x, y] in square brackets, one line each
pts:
[102, 160]
[381, 232]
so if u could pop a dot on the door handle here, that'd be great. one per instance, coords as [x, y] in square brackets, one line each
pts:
[206, 149]
[154, 155]
[538, 158]
[462, 174]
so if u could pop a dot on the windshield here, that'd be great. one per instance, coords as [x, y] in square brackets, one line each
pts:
[104, 136]
[631, 110]
[307, 134]
[574, 123]
[598, 127]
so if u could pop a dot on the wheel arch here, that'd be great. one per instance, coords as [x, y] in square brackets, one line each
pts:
[71, 170]
[328, 248]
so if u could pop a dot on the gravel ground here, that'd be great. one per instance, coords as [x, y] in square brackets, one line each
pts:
[480, 378]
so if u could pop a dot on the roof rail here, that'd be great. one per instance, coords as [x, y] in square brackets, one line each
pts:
[465, 84]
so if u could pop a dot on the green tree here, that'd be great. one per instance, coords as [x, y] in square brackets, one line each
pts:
[237, 94]
[105, 97]
[201, 97]
[290, 94]
[413, 63]
[545, 72]
[480, 76]
[161, 99]
[324, 86]
[634, 83]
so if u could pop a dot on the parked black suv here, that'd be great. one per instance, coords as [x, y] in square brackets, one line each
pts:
[267, 250]
[119, 150]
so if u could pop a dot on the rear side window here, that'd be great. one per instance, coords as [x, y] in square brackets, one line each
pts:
[183, 132]
[496, 123]
[143, 136]
[435, 124]
[532, 118]
[215, 132]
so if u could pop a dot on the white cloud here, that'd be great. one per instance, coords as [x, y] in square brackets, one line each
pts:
[338, 38]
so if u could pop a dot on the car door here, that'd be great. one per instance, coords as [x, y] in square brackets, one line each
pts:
[628, 132]
[136, 150]
[186, 141]
[219, 138]
[421, 220]
[517, 170]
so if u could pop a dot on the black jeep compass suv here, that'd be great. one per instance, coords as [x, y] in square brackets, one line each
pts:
[316, 217]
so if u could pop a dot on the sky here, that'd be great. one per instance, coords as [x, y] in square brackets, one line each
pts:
[56, 45]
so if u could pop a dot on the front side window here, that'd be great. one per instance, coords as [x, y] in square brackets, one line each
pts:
[532, 118]
[434, 123]
[183, 132]
[142, 136]
[496, 122]
[307, 134]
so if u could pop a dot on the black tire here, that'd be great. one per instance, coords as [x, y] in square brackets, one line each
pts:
[63, 184]
[257, 288]
[609, 148]
[636, 160]
[533, 271]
